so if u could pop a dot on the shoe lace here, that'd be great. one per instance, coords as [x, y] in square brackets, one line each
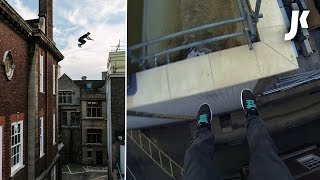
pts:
[203, 118]
[251, 104]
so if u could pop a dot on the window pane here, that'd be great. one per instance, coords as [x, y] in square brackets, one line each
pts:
[94, 112]
[89, 112]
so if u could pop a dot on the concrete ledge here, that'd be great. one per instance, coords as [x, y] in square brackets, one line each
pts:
[179, 88]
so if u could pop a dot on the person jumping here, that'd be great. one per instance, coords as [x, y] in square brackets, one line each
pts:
[265, 164]
[81, 39]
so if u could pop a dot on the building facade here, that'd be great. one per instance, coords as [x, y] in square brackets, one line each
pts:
[69, 111]
[83, 117]
[28, 134]
[115, 84]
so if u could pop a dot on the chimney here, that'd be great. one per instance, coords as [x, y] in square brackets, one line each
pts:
[46, 17]
[83, 78]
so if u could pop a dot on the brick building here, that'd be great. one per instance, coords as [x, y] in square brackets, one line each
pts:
[115, 82]
[83, 118]
[28, 110]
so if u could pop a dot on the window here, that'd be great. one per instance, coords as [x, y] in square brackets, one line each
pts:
[8, 64]
[89, 86]
[65, 97]
[16, 146]
[64, 118]
[53, 173]
[54, 128]
[41, 74]
[41, 137]
[89, 154]
[75, 118]
[94, 109]
[94, 135]
[54, 78]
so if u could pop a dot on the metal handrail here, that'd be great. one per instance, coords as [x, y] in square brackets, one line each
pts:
[120, 173]
[247, 16]
[160, 154]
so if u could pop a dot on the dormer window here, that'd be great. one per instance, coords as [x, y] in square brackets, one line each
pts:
[89, 86]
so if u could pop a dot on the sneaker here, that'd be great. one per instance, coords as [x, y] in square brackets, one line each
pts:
[249, 103]
[204, 116]
[79, 45]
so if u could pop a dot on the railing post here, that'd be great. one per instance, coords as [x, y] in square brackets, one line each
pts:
[140, 139]
[160, 157]
[257, 11]
[171, 167]
[150, 148]
[155, 61]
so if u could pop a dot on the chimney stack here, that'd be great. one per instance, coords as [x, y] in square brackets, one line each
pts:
[46, 17]
[83, 78]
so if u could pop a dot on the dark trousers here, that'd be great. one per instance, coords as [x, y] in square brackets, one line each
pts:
[265, 164]
[82, 41]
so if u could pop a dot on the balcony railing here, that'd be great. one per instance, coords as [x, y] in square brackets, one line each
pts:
[248, 18]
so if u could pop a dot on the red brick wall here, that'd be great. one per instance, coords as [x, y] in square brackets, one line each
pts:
[13, 94]
[49, 19]
[47, 104]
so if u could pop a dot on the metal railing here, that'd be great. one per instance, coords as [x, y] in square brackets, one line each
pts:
[248, 17]
[159, 157]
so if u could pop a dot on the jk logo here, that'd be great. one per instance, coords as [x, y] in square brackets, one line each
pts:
[294, 23]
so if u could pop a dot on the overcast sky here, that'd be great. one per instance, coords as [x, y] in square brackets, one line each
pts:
[104, 19]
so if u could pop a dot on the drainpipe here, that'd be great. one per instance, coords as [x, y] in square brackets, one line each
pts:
[109, 126]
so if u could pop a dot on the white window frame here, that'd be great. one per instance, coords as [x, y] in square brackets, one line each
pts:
[41, 74]
[54, 129]
[53, 173]
[41, 138]
[54, 78]
[94, 106]
[65, 93]
[18, 166]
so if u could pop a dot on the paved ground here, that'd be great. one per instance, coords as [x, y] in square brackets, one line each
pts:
[78, 172]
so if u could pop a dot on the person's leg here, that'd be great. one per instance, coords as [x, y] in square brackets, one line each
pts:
[264, 160]
[82, 42]
[198, 159]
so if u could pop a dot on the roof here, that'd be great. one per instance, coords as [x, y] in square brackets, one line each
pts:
[23, 27]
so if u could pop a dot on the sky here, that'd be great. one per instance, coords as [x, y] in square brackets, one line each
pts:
[104, 19]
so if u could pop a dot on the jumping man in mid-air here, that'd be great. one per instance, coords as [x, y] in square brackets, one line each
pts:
[81, 39]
